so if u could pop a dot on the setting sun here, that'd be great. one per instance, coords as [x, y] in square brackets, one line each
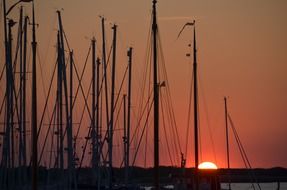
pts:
[207, 165]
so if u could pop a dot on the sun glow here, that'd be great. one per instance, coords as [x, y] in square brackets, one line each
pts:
[207, 166]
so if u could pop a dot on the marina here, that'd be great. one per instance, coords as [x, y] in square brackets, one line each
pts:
[97, 116]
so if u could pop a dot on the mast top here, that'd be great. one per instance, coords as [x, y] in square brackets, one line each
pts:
[194, 38]
[114, 26]
[154, 6]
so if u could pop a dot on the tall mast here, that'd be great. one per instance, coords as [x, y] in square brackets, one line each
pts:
[11, 23]
[24, 90]
[93, 134]
[11, 138]
[125, 140]
[71, 160]
[105, 71]
[195, 110]
[156, 99]
[68, 125]
[22, 110]
[227, 138]
[21, 120]
[112, 107]
[98, 133]
[34, 110]
[59, 105]
[130, 54]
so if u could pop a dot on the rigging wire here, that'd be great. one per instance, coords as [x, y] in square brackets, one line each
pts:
[164, 128]
[145, 83]
[207, 118]
[120, 89]
[52, 143]
[143, 106]
[116, 102]
[2, 72]
[80, 124]
[189, 114]
[141, 116]
[145, 148]
[42, 79]
[54, 110]
[142, 85]
[46, 103]
[3, 103]
[49, 94]
[46, 137]
[82, 116]
[117, 117]
[82, 75]
[242, 152]
[145, 125]
[170, 109]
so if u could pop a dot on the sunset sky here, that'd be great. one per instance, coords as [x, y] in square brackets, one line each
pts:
[242, 54]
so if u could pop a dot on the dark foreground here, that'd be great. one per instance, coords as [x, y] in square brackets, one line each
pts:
[168, 175]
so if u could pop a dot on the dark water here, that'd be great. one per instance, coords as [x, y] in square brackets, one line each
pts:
[248, 186]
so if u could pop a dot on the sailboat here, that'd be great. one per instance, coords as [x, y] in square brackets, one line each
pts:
[200, 179]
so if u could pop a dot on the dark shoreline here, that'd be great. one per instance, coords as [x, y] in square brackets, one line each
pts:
[168, 175]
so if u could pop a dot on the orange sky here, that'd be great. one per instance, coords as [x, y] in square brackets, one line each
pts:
[241, 54]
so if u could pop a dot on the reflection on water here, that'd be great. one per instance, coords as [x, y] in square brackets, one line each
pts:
[242, 186]
[247, 186]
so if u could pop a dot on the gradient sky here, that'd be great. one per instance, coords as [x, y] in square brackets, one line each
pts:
[241, 54]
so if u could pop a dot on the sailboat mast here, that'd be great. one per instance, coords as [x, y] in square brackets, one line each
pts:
[34, 109]
[60, 96]
[93, 135]
[125, 139]
[105, 71]
[227, 136]
[11, 23]
[21, 120]
[156, 99]
[71, 160]
[112, 107]
[195, 111]
[130, 53]
[64, 89]
[24, 89]
[98, 135]
[59, 147]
